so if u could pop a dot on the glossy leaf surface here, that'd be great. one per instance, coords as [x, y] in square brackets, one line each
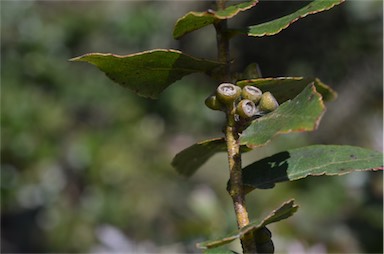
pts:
[303, 113]
[316, 160]
[196, 20]
[277, 25]
[286, 88]
[286, 210]
[147, 73]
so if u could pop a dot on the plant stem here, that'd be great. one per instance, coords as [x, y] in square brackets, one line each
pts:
[232, 138]
[236, 190]
[223, 49]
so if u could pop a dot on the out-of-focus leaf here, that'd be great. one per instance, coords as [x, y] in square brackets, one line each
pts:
[286, 88]
[303, 113]
[190, 159]
[196, 20]
[316, 160]
[275, 26]
[286, 210]
[148, 73]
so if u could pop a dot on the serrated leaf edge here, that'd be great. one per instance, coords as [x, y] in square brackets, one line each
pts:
[80, 58]
[290, 204]
[290, 23]
[294, 177]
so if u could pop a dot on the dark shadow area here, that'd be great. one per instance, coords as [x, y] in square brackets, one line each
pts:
[265, 173]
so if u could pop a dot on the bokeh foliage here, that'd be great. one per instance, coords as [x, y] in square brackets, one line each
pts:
[85, 164]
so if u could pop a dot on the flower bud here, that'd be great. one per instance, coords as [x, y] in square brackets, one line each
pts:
[268, 103]
[251, 93]
[246, 109]
[213, 103]
[227, 93]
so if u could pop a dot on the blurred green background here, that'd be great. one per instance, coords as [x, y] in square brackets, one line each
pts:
[85, 164]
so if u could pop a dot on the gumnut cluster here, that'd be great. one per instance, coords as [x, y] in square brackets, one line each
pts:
[249, 102]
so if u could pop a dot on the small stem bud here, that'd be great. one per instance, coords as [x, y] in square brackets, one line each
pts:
[213, 103]
[252, 71]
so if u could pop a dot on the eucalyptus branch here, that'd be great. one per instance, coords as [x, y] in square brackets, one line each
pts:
[244, 97]
[232, 138]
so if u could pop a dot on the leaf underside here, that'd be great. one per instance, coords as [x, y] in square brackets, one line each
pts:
[286, 210]
[195, 20]
[190, 159]
[277, 25]
[219, 250]
[286, 88]
[148, 73]
[316, 160]
[303, 113]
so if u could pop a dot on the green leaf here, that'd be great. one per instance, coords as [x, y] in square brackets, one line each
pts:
[196, 20]
[286, 88]
[147, 73]
[286, 210]
[275, 26]
[316, 160]
[303, 113]
[192, 158]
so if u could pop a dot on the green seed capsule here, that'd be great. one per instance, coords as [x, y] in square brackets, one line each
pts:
[251, 93]
[268, 103]
[246, 109]
[213, 103]
[227, 93]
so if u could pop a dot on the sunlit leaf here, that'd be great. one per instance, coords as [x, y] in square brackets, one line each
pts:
[316, 160]
[286, 88]
[303, 113]
[148, 73]
[275, 26]
[196, 20]
[286, 210]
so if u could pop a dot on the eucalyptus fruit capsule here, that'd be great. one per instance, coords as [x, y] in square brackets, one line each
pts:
[213, 103]
[227, 93]
[246, 109]
[268, 103]
[251, 93]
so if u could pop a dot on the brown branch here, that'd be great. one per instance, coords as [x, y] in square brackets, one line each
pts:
[232, 138]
